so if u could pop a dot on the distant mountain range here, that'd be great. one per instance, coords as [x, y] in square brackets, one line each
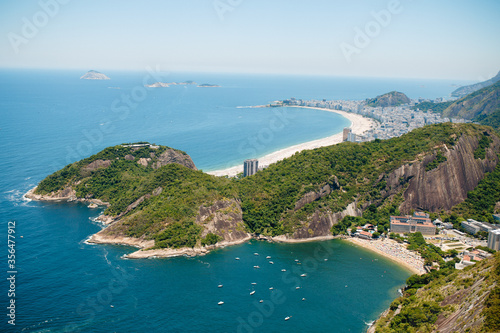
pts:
[482, 106]
[466, 90]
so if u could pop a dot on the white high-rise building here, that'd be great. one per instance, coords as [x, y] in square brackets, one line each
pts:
[494, 240]
[250, 167]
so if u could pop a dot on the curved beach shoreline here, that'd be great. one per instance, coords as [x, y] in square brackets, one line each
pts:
[394, 251]
[359, 125]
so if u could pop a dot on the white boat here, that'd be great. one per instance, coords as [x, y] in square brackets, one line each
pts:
[287, 318]
[297, 287]
[255, 254]
[261, 301]
[303, 299]
[256, 267]
[296, 260]
[254, 283]
[283, 270]
[268, 257]
[271, 262]
[237, 258]
[220, 286]
[220, 303]
[271, 288]
[252, 292]
[326, 259]
[303, 275]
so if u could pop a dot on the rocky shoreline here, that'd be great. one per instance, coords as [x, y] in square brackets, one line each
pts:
[68, 195]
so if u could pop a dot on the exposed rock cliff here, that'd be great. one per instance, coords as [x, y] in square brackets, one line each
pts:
[319, 224]
[174, 156]
[225, 219]
[448, 184]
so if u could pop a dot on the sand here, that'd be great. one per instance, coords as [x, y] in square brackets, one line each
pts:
[359, 125]
[414, 265]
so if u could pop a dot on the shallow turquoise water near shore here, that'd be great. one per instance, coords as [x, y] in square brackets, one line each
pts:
[50, 119]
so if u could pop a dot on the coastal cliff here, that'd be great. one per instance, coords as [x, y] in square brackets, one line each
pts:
[446, 185]
[155, 198]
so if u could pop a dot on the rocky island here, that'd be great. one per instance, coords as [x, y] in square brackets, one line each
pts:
[94, 75]
[166, 85]
[208, 85]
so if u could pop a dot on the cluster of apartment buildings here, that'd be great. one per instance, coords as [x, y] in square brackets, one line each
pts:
[469, 258]
[473, 227]
[392, 121]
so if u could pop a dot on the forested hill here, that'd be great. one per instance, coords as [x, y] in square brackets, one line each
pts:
[479, 104]
[482, 106]
[432, 168]
[393, 98]
[466, 90]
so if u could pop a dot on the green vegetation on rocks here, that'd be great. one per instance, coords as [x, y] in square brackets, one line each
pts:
[161, 203]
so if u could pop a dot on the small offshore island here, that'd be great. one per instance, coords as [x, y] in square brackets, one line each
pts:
[94, 75]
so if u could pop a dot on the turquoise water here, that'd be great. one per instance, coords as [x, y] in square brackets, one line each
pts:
[49, 119]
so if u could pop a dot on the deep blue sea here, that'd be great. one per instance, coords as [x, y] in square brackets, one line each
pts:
[62, 284]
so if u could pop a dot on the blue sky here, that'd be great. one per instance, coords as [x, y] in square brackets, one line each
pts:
[448, 39]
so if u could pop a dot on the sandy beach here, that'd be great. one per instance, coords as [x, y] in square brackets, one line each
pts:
[393, 251]
[359, 125]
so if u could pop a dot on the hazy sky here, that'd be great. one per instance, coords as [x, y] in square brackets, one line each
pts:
[449, 39]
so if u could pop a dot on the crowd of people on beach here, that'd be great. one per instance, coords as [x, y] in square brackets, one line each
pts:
[398, 251]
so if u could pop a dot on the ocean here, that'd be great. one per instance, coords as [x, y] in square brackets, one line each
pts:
[62, 284]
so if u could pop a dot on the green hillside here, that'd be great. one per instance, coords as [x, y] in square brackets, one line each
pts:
[152, 201]
[393, 98]
[477, 105]
[448, 300]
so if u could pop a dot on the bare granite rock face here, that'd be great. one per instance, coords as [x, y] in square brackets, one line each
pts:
[144, 161]
[172, 156]
[434, 190]
[313, 196]
[224, 218]
[97, 164]
[319, 224]
[448, 184]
